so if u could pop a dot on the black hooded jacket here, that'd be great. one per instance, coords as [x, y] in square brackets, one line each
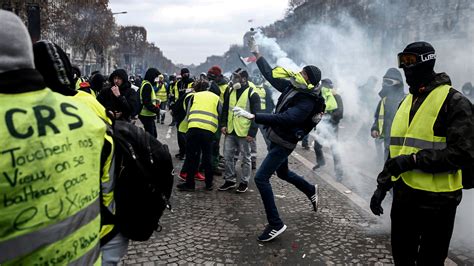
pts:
[145, 92]
[126, 103]
[455, 122]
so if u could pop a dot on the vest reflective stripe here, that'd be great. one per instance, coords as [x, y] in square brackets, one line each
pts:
[203, 112]
[161, 94]
[407, 138]
[241, 125]
[36, 239]
[49, 217]
[381, 116]
[329, 99]
[183, 126]
[145, 111]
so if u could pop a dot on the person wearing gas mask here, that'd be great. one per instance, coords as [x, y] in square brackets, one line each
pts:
[239, 131]
[148, 100]
[468, 91]
[297, 112]
[431, 140]
[162, 96]
[391, 95]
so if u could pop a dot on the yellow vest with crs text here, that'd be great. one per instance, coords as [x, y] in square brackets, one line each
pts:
[241, 125]
[183, 126]
[145, 111]
[329, 99]
[203, 112]
[49, 186]
[161, 94]
[407, 138]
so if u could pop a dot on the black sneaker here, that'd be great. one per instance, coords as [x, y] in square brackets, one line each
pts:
[317, 166]
[271, 232]
[227, 185]
[185, 187]
[242, 188]
[315, 198]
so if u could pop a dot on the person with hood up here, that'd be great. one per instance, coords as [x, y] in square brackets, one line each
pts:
[180, 90]
[97, 83]
[150, 108]
[391, 95]
[120, 100]
[297, 112]
[431, 141]
[35, 118]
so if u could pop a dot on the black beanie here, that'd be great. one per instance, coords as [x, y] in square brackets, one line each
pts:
[54, 65]
[421, 48]
[184, 70]
[314, 74]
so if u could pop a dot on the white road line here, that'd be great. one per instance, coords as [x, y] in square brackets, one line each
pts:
[359, 201]
[168, 134]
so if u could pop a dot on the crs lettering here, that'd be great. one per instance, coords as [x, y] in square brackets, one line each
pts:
[19, 125]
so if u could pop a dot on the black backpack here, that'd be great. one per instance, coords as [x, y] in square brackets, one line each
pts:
[144, 181]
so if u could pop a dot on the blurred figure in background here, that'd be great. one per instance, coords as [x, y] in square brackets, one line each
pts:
[468, 91]
[391, 95]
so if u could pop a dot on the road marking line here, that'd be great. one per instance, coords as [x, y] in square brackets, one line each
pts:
[359, 201]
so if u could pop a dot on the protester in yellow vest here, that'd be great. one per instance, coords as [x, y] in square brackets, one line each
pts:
[239, 131]
[148, 100]
[202, 119]
[391, 95]
[58, 141]
[162, 96]
[182, 87]
[56, 74]
[218, 83]
[328, 129]
[431, 141]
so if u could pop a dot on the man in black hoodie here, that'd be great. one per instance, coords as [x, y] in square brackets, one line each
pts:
[120, 100]
[149, 109]
[432, 139]
[391, 95]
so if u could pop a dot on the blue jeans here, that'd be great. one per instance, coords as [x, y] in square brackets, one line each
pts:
[114, 250]
[277, 160]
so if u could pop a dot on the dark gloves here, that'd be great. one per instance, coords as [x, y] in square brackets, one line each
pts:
[376, 201]
[384, 184]
[400, 164]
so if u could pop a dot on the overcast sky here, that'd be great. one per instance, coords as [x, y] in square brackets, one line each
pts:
[188, 31]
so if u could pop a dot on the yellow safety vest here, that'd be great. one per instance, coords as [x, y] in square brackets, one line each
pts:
[407, 138]
[260, 90]
[106, 180]
[161, 94]
[329, 99]
[222, 88]
[240, 124]
[50, 162]
[203, 112]
[381, 117]
[183, 126]
[176, 90]
[145, 111]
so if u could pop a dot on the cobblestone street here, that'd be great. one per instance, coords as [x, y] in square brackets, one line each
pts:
[217, 228]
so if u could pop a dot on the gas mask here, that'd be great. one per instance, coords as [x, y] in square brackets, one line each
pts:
[236, 86]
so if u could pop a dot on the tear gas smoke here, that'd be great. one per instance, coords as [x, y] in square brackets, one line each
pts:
[349, 57]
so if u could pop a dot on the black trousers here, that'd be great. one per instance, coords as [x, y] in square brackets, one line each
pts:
[198, 143]
[149, 124]
[420, 233]
[182, 143]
